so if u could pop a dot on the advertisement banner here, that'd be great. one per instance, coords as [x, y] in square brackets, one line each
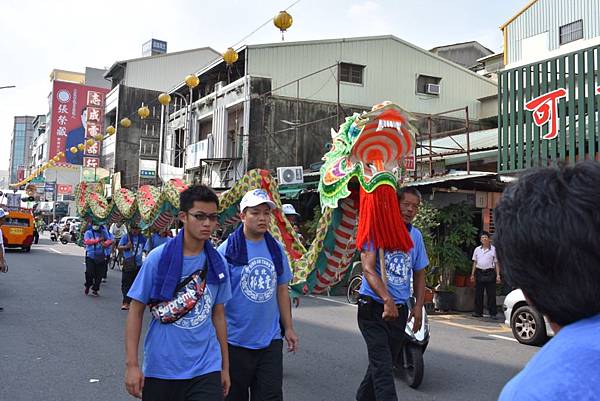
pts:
[77, 114]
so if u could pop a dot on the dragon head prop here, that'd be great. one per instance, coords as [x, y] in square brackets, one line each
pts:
[370, 148]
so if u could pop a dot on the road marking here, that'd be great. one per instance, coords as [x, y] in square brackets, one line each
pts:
[503, 337]
[331, 300]
[55, 251]
[483, 329]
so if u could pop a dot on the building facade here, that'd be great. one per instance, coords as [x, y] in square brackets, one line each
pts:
[276, 106]
[548, 28]
[20, 143]
[549, 100]
[133, 152]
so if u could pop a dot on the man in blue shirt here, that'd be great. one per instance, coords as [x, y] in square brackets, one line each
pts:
[382, 308]
[132, 245]
[186, 360]
[260, 273]
[96, 240]
[157, 239]
[547, 239]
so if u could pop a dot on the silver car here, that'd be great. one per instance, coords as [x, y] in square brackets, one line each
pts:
[528, 325]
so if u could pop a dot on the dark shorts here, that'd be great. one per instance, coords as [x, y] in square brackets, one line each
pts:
[256, 374]
[201, 388]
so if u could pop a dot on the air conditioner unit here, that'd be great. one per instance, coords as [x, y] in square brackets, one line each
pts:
[290, 175]
[432, 89]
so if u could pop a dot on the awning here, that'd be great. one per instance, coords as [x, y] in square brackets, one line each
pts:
[293, 191]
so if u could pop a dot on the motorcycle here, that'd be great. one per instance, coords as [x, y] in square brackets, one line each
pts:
[53, 236]
[409, 365]
[67, 237]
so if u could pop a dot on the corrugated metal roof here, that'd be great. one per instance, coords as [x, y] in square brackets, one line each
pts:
[453, 176]
[478, 140]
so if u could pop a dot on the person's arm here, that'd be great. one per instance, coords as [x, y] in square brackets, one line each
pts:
[124, 244]
[474, 267]
[368, 260]
[134, 379]
[419, 289]
[497, 266]
[218, 319]
[285, 312]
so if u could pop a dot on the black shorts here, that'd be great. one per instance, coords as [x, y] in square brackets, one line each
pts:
[201, 388]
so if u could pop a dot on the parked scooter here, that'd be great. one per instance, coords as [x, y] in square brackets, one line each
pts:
[409, 364]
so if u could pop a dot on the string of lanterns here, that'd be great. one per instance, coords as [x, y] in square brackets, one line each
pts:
[283, 21]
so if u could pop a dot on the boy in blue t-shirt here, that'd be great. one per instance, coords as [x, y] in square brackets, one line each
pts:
[188, 358]
[132, 245]
[547, 238]
[260, 273]
[382, 307]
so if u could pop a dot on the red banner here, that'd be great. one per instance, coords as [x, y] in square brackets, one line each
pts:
[64, 189]
[77, 114]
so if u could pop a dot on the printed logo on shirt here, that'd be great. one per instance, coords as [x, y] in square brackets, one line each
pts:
[259, 280]
[197, 316]
[397, 265]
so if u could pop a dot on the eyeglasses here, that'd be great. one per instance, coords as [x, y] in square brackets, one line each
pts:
[407, 205]
[213, 217]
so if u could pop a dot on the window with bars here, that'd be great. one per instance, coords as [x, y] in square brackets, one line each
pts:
[352, 73]
[571, 32]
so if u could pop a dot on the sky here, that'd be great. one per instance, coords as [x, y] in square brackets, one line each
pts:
[39, 36]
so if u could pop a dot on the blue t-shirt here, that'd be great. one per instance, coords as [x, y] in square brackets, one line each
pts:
[188, 347]
[155, 241]
[138, 242]
[399, 267]
[566, 368]
[95, 250]
[253, 312]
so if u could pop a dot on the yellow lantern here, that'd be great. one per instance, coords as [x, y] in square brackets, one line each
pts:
[99, 137]
[192, 81]
[89, 142]
[143, 112]
[81, 147]
[283, 21]
[73, 149]
[164, 99]
[230, 56]
[125, 123]
[110, 130]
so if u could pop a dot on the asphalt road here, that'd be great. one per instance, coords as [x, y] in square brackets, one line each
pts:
[57, 344]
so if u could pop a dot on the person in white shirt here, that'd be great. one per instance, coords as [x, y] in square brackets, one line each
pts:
[486, 274]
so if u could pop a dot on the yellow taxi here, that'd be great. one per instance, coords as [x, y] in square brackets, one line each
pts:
[17, 230]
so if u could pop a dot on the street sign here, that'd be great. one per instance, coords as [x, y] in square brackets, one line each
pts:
[147, 168]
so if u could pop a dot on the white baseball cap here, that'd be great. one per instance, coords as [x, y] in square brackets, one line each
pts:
[256, 197]
[289, 209]
[2, 213]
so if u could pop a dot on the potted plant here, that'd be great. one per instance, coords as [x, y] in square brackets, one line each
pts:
[455, 233]
[427, 222]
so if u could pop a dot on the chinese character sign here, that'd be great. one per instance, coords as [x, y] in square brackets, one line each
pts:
[77, 114]
[545, 111]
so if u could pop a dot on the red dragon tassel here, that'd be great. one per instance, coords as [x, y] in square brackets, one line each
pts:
[380, 221]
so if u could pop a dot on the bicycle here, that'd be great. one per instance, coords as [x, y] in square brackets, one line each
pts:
[115, 260]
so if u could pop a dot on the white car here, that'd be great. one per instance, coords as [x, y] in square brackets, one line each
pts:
[528, 325]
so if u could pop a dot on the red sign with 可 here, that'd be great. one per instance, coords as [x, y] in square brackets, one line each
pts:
[545, 111]
[64, 189]
[77, 115]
